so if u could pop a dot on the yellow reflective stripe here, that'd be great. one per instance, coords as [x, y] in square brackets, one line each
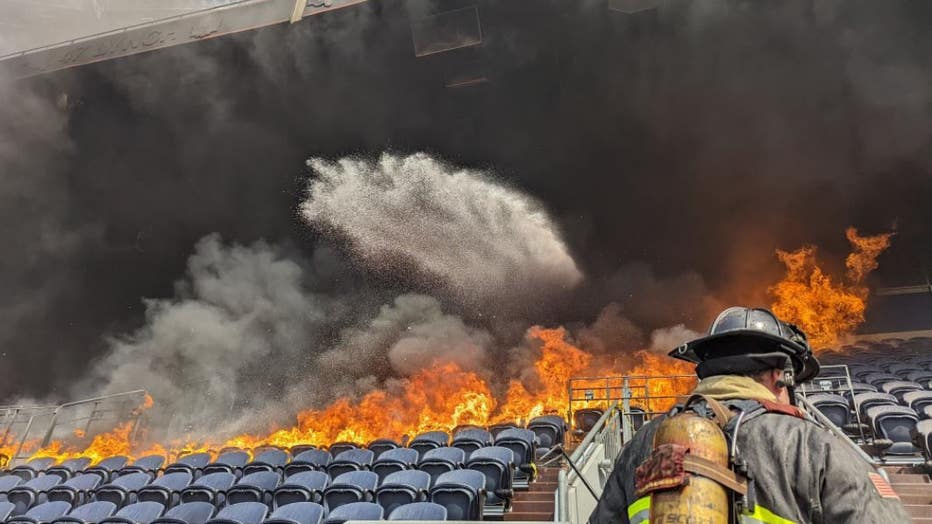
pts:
[762, 515]
[639, 511]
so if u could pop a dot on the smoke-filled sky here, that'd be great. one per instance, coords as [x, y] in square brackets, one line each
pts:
[616, 173]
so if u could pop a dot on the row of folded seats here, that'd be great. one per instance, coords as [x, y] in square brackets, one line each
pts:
[147, 512]
[476, 472]
[886, 401]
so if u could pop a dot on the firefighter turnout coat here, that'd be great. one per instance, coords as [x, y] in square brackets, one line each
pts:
[802, 473]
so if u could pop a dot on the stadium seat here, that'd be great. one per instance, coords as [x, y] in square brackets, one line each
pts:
[339, 447]
[122, 490]
[428, 441]
[242, 513]
[381, 445]
[471, 439]
[297, 513]
[922, 377]
[865, 401]
[273, 460]
[902, 369]
[7, 483]
[402, 487]
[188, 513]
[419, 511]
[76, 490]
[30, 493]
[495, 429]
[297, 449]
[550, 430]
[228, 462]
[32, 468]
[586, 419]
[521, 442]
[138, 513]
[149, 465]
[192, 464]
[461, 492]
[834, 407]
[306, 486]
[441, 460]
[895, 423]
[310, 460]
[41, 514]
[210, 488]
[166, 490]
[398, 459]
[254, 487]
[877, 379]
[6, 510]
[923, 437]
[90, 513]
[497, 464]
[355, 511]
[917, 400]
[107, 468]
[69, 468]
[898, 387]
[350, 460]
[353, 486]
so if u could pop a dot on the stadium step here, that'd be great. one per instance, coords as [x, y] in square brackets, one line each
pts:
[537, 503]
[915, 491]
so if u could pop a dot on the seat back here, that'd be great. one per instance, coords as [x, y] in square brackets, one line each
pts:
[188, 513]
[381, 445]
[402, 487]
[497, 464]
[834, 407]
[255, 487]
[312, 459]
[91, 512]
[306, 486]
[297, 513]
[269, 460]
[393, 460]
[209, 488]
[46, 512]
[353, 486]
[355, 511]
[228, 462]
[428, 441]
[895, 423]
[242, 513]
[192, 463]
[419, 511]
[460, 492]
[138, 513]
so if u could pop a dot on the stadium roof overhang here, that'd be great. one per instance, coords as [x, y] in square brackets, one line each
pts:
[184, 28]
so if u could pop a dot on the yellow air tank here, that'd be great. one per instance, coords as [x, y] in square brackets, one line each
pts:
[702, 500]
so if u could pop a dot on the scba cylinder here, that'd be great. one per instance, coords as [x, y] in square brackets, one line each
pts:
[701, 500]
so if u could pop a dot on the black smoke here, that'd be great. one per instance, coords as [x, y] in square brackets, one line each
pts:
[675, 148]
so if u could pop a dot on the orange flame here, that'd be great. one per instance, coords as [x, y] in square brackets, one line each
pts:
[825, 309]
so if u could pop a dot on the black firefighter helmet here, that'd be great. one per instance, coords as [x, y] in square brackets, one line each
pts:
[746, 340]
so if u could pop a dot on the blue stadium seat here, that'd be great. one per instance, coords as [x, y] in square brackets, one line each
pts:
[521, 442]
[550, 430]
[306, 486]
[297, 513]
[462, 492]
[210, 488]
[381, 445]
[865, 401]
[441, 460]
[917, 400]
[69, 468]
[90, 513]
[353, 486]
[41, 514]
[192, 464]
[402, 487]
[471, 439]
[297, 449]
[150, 465]
[188, 513]
[310, 460]
[31, 493]
[878, 379]
[166, 490]
[586, 419]
[122, 490]
[355, 511]
[350, 460]
[6, 510]
[76, 490]
[228, 462]
[107, 468]
[273, 460]
[495, 429]
[254, 487]
[32, 468]
[428, 441]
[242, 513]
[419, 511]
[339, 447]
[899, 387]
[834, 407]
[922, 377]
[895, 423]
[390, 461]
[497, 464]
[138, 513]
[7, 483]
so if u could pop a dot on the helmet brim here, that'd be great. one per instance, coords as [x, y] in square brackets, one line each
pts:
[805, 366]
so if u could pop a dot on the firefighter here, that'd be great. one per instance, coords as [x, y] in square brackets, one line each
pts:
[796, 470]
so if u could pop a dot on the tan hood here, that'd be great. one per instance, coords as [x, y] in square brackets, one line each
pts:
[729, 387]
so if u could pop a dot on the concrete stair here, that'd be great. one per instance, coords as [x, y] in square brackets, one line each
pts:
[915, 491]
[537, 503]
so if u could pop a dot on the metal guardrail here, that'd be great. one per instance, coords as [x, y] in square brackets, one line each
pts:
[600, 446]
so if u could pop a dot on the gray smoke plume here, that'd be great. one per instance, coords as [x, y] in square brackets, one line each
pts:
[488, 244]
